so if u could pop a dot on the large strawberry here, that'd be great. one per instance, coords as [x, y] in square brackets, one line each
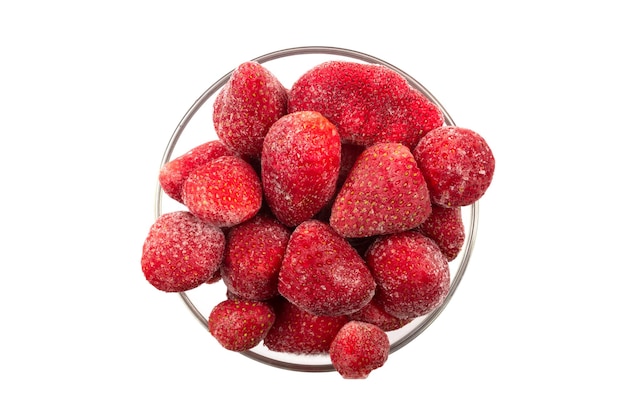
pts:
[224, 192]
[322, 274]
[253, 255]
[384, 193]
[181, 252]
[368, 103]
[457, 163]
[298, 331]
[251, 101]
[300, 166]
[411, 273]
[240, 325]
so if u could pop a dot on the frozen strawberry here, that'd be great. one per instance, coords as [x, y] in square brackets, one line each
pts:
[181, 252]
[384, 193]
[253, 255]
[368, 103]
[412, 274]
[358, 349]
[375, 314]
[251, 101]
[457, 164]
[322, 274]
[445, 227]
[173, 174]
[300, 332]
[223, 192]
[300, 166]
[240, 325]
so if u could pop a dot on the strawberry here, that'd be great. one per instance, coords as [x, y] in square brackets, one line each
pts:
[411, 273]
[374, 313]
[181, 252]
[253, 255]
[300, 332]
[300, 166]
[240, 325]
[368, 103]
[223, 192]
[322, 274]
[384, 193]
[173, 174]
[243, 111]
[457, 164]
[445, 227]
[358, 349]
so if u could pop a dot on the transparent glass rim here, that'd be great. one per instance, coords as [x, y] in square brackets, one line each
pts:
[471, 228]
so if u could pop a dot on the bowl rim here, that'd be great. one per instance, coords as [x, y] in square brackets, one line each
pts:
[471, 228]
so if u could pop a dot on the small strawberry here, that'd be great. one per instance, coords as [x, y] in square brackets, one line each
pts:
[445, 227]
[223, 192]
[240, 325]
[368, 103]
[300, 332]
[358, 349]
[251, 101]
[384, 193]
[181, 252]
[373, 313]
[300, 166]
[253, 255]
[322, 274]
[411, 273]
[457, 164]
[173, 174]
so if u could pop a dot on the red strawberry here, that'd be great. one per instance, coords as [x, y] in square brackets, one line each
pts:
[445, 227]
[173, 174]
[253, 255]
[298, 331]
[358, 349]
[240, 325]
[373, 313]
[251, 101]
[322, 274]
[457, 164]
[300, 165]
[368, 103]
[411, 273]
[181, 252]
[223, 192]
[384, 193]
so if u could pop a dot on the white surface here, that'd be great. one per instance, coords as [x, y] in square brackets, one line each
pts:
[89, 96]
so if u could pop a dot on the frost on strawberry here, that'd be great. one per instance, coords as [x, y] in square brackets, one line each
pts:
[251, 101]
[445, 227]
[224, 192]
[300, 332]
[174, 173]
[253, 255]
[358, 349]
[322, 274]
[240, 325]
[457, 164]
[384, 193]
[181, 252]
[411, 273]
[300, 165]
[368, 103]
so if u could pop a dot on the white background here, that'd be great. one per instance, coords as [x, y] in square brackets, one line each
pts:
[89, 96]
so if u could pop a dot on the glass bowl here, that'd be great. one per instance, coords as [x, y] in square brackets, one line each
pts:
[196, 127]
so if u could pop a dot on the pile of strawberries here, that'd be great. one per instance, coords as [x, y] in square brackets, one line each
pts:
[330, 211]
